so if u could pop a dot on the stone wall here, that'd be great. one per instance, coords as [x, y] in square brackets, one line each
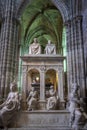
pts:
[85, 38]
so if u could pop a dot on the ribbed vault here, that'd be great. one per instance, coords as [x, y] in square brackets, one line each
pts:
[42, 20]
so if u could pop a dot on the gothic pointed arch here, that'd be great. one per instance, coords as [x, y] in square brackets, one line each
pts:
[62, 7]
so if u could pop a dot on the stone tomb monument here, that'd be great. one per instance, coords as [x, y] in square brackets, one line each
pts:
[42, 74]
[41, 71]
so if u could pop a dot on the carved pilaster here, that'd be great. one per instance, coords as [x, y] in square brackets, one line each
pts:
[42, 101]
[42, 82]
[60, 74]
[60, 84]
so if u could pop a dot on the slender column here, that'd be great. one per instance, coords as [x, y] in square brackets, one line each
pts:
[60, 88]
[42, 88]
[24, 86]
[29, 81]
[69, 54]
[60, 84]
[73, 52]
[42, 85]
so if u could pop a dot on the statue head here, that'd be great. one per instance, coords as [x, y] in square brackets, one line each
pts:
[49, 42]
[35, 40]
[32, 88]
[51, 87]
[13, 86]
[74, 87]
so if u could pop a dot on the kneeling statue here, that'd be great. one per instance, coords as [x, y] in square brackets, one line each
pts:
[52, 100]
[32, 100]
[9, 108]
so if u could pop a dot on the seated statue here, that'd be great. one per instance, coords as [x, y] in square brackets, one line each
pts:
[35, 47]
[9, 108]
[52, 99]
[50, 48]
[32, 99]
[77, 114]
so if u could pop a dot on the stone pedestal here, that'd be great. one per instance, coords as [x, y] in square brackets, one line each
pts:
[43, 119]
[42, 104]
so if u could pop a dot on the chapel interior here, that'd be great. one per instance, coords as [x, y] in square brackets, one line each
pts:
[43, 53]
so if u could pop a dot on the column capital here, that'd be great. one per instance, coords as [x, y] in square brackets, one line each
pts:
[24, 68]
[67, 23]
[77, 18]
[60, 70]
[43, 68]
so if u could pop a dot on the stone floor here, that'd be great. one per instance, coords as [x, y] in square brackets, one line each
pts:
[45, 128]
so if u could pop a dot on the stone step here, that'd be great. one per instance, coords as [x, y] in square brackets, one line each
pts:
[45, 128]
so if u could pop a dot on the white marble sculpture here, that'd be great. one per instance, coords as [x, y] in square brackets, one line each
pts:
[77, 115]
[9, 108]
[50, 48]
[52, 100]
[35, 47]
[32, 100]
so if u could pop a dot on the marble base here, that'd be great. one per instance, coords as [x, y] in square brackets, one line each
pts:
[42, 118]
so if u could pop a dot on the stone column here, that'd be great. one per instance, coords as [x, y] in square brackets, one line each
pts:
[69, 54]
[60, 88]
[29, 81]
[75, 54]
[9, 47]
[42, 88]
[24, 86]
[81, 63]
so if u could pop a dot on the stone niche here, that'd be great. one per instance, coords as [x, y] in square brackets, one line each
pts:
[40, 71]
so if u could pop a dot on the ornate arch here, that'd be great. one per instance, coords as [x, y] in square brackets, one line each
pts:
[63, 8]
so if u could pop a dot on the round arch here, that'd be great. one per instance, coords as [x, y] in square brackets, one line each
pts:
[33, 76]
[51, 78]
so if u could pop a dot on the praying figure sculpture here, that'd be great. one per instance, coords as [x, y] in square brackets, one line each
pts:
[78, 116]
[9, 108]
[32, 100]
[35, 47]
[50, 48]
[52, 99]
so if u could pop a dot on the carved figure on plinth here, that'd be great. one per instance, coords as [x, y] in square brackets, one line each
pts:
[50, 48]
[9, 108]
[32, 100]
[35, 47]
[52, 100]
[78, 116]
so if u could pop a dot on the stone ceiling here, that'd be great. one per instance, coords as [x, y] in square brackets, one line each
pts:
[41, 19]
